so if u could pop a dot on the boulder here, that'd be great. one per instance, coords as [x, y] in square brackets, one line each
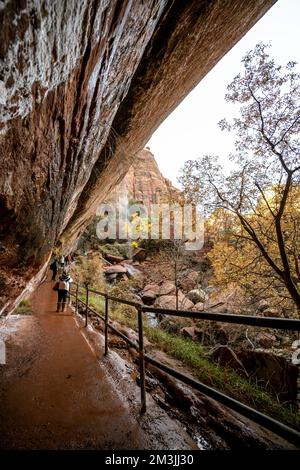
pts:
[190, 332]
[139, 255]
[285, 341]
[132, 272]
[116, 269]
[167, 288]
[198, 307]
[210, 289]
[196, 296]
[270, 312]
[148, 297]
[207, 337]
[263, 305]
[169, 302]
[226, 357]
[111, 277]
[220, 336]
[185, 304]
[152, 288]
[169, 324]
[203, 337]
[189, 282]
[113, 258]
[265, 340]
[273, 372]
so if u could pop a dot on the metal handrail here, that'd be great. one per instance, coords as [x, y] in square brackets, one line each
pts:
[268, 322]
[267, 422]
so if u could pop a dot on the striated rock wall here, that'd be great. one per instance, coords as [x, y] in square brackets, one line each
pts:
[82, 87]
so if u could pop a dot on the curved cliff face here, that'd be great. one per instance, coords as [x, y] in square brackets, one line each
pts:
[82, 87]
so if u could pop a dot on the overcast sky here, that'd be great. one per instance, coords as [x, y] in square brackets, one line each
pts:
[192, 130]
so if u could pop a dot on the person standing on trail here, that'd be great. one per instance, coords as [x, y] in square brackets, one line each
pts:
[62, 261]
[54, 269]
[69, 259]
[62, 287]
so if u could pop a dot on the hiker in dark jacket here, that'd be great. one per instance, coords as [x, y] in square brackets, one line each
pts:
[54, 269]
[62, 287]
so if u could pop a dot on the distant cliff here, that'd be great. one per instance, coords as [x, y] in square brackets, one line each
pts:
[144, 183]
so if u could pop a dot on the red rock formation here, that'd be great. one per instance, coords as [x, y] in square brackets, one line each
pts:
[144, 182]
[83, 85]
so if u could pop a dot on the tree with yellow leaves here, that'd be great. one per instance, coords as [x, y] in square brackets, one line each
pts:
[262, 191]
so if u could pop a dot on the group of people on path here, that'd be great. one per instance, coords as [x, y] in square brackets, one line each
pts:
[59, 264]
[62, 286]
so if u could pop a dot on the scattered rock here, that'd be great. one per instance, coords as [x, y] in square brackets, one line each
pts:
[169, 302]
[149, 293]
[198, 307]
[151, 287]
[167, 288]
[196, 296]
[113, 258]
[203, 337]
[263, 305]
[132, 272]
[274, 372]
[265, 340]
[210, 289]
[190, 332]
[225, 356]
[220, 336]
[148, 297]
[111, 277]
[285, 340]
[139, 255]
[169, 324]
[186, 304]
[116, 269]
[271, 312]
[189, 282]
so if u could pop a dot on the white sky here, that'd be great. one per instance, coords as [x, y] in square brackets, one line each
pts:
[191, 130]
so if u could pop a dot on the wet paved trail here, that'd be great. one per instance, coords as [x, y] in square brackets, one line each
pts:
[54, 394]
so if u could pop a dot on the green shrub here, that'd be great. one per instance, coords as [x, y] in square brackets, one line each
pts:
[23, 307]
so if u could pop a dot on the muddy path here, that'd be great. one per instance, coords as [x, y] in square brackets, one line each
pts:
[54, 392]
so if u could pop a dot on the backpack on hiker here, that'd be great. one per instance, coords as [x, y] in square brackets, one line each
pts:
[56, 286]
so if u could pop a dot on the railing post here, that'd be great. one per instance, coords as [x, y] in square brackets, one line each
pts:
[86, 305]
[76, 297]
[106, 326]
[142, 360]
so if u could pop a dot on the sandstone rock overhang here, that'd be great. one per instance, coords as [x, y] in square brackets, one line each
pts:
[83, 85]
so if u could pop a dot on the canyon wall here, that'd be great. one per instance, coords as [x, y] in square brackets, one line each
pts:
[143, 183]
[83, 84]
